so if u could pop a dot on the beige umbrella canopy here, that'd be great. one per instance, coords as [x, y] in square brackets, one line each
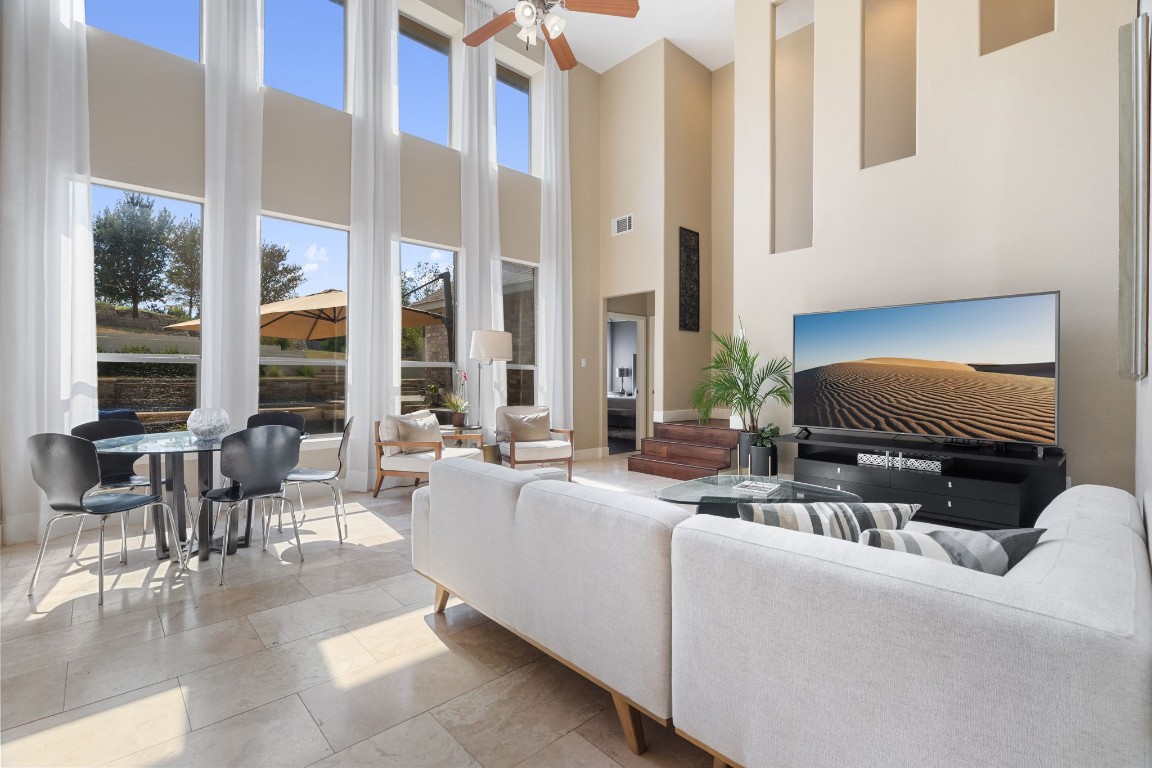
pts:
[317, 316]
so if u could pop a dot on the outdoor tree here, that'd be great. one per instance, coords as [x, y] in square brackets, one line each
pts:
[415, 286]
[184, 266]
[279, 278]
[131, 247]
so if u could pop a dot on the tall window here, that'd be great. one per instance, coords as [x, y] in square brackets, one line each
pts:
[171, 25]
[428, 326]
[147, 270]
[424, 81]
[513, 120]
[304, 49]
[303, 325]
[520, 320]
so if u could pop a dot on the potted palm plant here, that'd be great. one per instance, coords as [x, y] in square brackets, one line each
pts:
[735, 379]
[762, 453]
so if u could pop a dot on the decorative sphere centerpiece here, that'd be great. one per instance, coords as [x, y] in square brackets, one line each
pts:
[208, 423]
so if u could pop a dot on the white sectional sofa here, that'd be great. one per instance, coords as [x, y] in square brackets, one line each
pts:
[773, 648]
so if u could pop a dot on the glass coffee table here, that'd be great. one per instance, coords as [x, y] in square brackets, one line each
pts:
[720, 489]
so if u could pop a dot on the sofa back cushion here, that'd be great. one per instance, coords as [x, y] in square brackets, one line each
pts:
[594, 584]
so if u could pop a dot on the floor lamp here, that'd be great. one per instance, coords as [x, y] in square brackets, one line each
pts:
[489, 346]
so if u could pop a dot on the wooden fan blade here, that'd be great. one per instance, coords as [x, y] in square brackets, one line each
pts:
[628, 8]
[561, 51]
[498, 24]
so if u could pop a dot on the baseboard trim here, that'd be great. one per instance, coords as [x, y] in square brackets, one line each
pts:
[690, 414]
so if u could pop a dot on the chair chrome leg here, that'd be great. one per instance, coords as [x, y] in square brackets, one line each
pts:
[124, 537]
[103, 519]
[43, 546]
[343, 511]
[292, 512]
[280, 517]
[303, 514]
[336, 512]
[76, 542]
[224, 543]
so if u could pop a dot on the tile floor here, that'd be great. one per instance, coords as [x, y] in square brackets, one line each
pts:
[336, 661]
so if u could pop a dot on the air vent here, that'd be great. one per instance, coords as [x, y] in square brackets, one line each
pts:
[621, 225]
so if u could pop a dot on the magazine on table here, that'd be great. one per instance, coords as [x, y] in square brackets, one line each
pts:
[756, 487]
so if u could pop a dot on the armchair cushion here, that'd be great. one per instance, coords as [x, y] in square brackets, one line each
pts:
[529, 427]
[539, 450]
[424, 429]
[419, 462]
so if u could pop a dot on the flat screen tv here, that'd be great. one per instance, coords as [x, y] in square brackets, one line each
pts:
[975, 369]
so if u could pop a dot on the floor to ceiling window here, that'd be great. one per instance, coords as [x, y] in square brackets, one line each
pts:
[303, 321]
[424, 82]
[520, 320]
[147, 272]
[513, 120]
[428, 326]
[304, 49]
[170, 25]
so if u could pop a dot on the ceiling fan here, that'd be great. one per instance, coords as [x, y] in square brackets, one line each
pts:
[542, 16]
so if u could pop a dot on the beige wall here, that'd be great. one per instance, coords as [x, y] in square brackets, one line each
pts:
[1007, 22]
[888, 80]
[687, 203]
[723, 159]
[792, 140]
[587, 317]
[1012, 190]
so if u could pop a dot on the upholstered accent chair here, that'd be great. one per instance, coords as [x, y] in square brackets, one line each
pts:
[407, 445]
[526, 436]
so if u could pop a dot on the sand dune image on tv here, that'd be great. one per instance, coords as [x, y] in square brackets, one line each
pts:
[1010, 403]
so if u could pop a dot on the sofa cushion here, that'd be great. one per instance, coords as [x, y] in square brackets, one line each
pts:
[539, 450]
[835, 519]
[420, 462]
[993, 552]
[529, 427]
[423, 429]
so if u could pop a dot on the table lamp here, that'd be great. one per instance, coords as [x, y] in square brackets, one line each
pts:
[623, 373]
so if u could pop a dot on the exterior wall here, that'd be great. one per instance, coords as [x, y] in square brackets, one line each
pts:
[1012, 190]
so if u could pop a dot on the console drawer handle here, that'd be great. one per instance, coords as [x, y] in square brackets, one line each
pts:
[949, 483]
[949, 505]
[837, 470]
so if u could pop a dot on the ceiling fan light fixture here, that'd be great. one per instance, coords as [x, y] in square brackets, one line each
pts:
[555, 24]
[526, 14]
[528, 35]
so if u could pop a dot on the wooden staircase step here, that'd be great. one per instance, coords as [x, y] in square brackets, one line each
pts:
[691, 432]
[691, 453]
[654, 466]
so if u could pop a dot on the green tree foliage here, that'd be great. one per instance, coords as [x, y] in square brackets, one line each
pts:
[279, 278]
[184, 266]
[131, 248]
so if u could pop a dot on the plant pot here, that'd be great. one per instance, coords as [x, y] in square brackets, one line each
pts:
[459, 418]
[443, 415]
[745, 444]
[762, 461]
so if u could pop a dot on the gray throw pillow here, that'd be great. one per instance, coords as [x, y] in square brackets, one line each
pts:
[994, 552]
[829, 518]
[424, 429]
[529, 427]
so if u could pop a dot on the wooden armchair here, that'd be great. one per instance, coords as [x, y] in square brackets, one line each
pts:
[520, 451]
[392, 461]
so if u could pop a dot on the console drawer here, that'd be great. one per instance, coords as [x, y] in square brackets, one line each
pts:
[865, 492]
[972, 511]
[847, 473]
[1005, 490]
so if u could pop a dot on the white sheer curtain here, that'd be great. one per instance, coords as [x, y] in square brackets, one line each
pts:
[480, 304]
[47, 307]
[233, 141]
[374, 256]
[554, 314]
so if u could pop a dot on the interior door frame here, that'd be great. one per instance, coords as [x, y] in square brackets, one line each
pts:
[639, 373]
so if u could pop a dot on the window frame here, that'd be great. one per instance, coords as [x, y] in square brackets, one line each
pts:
[347, 95]
[513, 78]
[427, 35]
[535, 304]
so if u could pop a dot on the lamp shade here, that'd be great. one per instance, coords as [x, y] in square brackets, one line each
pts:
[623, 372]
[491, 345]
[555, 24]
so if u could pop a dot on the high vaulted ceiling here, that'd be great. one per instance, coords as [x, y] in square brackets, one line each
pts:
[704, 29]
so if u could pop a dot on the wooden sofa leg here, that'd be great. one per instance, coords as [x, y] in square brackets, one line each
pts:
[442, 596]
[632, 723]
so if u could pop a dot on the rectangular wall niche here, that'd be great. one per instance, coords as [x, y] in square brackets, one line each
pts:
[792, 140]
[889, 81]
[1007, 22]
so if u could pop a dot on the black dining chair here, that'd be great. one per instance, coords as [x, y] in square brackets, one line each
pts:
[256, 460]
[117, 470]
[66, 468]
[282, 418]
[330, 478]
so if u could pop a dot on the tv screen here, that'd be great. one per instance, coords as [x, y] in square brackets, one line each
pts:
[977, 369]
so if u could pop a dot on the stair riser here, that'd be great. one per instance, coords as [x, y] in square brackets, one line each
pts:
[724, 438]
[686, 451]
[661, 469]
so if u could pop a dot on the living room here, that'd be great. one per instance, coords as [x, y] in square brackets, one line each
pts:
[826, 158]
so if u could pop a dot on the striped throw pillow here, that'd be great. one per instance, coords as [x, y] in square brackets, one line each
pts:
[827, 518]
[994, 552]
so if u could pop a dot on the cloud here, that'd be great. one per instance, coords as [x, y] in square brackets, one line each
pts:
[315, 255]
[311, 266]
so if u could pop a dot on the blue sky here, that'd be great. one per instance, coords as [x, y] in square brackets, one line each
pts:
[1017, 329]
[304, 55]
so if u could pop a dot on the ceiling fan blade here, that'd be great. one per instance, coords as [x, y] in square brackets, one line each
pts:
[628, 8]
[561, 51]
[498, 24]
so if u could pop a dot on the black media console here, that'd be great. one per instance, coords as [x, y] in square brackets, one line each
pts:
[980, 487]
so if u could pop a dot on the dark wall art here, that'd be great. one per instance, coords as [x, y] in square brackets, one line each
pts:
[689, 280]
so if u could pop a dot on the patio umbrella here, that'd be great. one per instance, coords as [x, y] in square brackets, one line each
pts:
[317, 316]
